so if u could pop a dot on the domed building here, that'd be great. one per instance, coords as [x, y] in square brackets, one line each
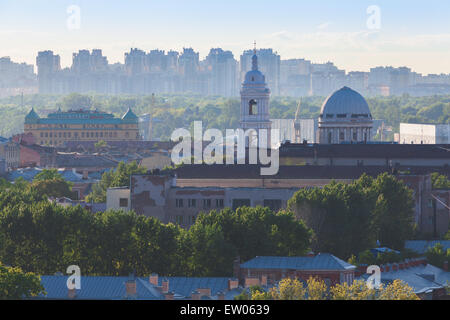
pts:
[345, 117]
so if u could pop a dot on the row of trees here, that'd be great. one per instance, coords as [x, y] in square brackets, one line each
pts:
[176, 111]
[350, 218]
[44, 238]
[316, 289]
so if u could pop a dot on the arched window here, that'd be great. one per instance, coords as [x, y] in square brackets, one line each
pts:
[252, 107]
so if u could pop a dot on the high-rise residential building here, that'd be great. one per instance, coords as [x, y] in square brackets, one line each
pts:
[326, 78]
[269, 63]
[135, 62]
[189, 67]
[48, 66]
[222, 69]
[16, 78]
[295, 77]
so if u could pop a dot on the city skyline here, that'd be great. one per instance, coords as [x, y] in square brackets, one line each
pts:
[410, 33]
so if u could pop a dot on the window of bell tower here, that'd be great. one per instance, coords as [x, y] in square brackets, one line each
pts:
[253, 107]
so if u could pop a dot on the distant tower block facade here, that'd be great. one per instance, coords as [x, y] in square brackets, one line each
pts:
[255, 96]
[345, 118]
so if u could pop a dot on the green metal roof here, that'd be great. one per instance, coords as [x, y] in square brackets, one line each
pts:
[81, 117]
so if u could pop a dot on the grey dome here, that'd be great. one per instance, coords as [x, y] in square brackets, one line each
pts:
[254, 76]
[345, 104]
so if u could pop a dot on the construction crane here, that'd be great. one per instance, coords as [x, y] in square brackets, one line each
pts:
[297, 123]
[150, 114]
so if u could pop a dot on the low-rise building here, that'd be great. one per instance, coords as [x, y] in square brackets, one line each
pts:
[324, 266]
[413, 133]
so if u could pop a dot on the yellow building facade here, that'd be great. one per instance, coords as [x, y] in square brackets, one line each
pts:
[81, 125]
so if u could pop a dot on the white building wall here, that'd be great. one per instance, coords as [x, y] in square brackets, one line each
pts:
[412, 133]
[113, 196]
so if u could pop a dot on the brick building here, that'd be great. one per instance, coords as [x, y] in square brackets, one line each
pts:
[196, 188]
[269, 270]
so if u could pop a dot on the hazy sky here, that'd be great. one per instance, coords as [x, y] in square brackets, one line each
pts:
[415, 33]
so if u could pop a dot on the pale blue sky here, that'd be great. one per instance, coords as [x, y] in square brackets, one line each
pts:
[413, 33]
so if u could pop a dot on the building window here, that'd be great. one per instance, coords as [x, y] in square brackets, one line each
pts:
[179, 219]
[273, 204]
[252, 107]
[355, 136]
[240, 203]
[206, 203]
[192, 203]
[341, 136]
[179, 203]
[123, 202]
[219, 203]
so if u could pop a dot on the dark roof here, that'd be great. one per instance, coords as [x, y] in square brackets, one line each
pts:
[113, 288]
[421, 246]
[74, 160]
[285, 172]
[321, 261]
[121, 145]
[384, 151]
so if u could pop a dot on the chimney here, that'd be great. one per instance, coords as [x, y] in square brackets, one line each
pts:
[233, 284]
[169, 295]
[165, 285]
[85, 175]
[394, 267]
[195, 295]
[445, 266]
[362, 269]
[264, 280]
[387, 267]
[153, 279]
[130, 287]
[204, 292]
[72, 293]
[220, 295]
[382, 267]
[251, 281]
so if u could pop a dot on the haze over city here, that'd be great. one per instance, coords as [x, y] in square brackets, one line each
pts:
[411, 33]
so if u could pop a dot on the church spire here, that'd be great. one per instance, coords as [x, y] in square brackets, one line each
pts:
[254, 58]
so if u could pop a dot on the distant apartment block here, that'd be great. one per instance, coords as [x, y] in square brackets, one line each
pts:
[16, 78]
[219, 73]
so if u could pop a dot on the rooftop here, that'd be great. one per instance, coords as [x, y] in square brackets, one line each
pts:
[321, 261]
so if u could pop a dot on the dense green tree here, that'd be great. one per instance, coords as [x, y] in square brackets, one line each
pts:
[16, 284]
[217, 238]
[349, 218]
[120, 177]
[438, 255]
[440, 181]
